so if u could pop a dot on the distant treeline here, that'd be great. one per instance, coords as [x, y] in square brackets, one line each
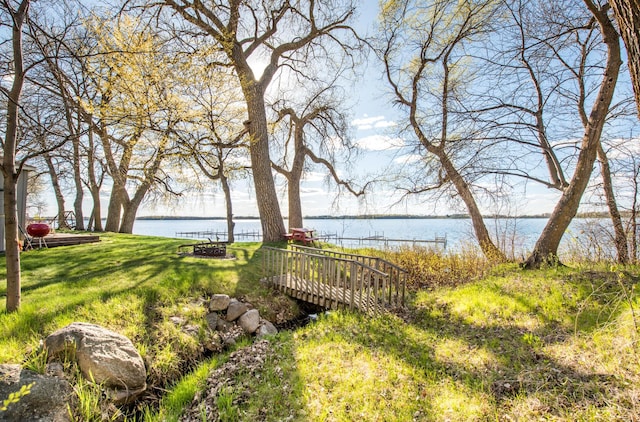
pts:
[373, 217]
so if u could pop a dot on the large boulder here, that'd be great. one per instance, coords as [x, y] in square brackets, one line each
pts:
[235, 310]
[266, 329]
[46, 401]
[249, 321]
[219, 302]
[212, 319]
[103, 356]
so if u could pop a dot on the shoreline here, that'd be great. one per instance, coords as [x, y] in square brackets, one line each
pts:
[357, 217]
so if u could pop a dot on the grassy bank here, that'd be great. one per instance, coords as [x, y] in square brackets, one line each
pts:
[554, 344]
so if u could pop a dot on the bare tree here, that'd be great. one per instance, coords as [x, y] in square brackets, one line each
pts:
[283, 34]
[620, 235]
[546, 248]
[318, 125]
[17, 14]
[424, 43]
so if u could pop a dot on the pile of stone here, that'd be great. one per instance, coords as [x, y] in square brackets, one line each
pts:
[233, 319]
[111, 360]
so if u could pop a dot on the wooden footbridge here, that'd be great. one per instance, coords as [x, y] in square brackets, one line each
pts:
[334, 279]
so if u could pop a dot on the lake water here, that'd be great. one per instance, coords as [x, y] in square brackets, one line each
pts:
[517, 235]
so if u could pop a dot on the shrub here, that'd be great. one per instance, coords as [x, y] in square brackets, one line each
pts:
[429, 268]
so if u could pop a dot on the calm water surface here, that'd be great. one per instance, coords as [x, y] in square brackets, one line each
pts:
[514, 234]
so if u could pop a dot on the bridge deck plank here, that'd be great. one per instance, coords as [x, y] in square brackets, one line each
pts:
[321, 293]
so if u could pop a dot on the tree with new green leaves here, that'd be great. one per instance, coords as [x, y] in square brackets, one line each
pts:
[137, 110]
[213, 142]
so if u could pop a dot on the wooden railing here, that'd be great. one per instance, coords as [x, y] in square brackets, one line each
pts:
[397, 275]
[328, 281]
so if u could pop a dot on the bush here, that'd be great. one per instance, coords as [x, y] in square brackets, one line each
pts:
[428, 268]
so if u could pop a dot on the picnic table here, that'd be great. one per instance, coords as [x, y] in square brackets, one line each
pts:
[301, 235]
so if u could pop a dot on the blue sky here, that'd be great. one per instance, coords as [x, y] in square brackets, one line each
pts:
[374, 121]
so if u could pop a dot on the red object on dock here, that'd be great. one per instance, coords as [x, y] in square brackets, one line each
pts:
[38, 229]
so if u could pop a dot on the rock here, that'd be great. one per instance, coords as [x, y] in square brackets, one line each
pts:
[55, 369]
[47, 399]
[103, 356]
[224, 326]
[119, 397]
[192, 330]
[266, 328]
[212, 320]
[249, 321]
[177, 320]
[213, 342]
[235, 309]
[219, 303]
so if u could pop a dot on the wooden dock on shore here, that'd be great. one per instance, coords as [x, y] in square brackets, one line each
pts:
[334, 238]
[221, 235]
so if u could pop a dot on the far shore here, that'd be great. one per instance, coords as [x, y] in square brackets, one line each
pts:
[357, 217]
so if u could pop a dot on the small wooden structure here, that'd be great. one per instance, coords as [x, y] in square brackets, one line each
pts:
[53, 240]
[335, 279]
[302, 235]
[209, 248]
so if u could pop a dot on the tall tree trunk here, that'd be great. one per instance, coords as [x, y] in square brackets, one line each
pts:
[634, 213]
[94, 187]
[9, 170]
[546, 248]
[74, 131]
[228, 205]
[12, 249]
[119, 196]
[627, 13]
[77, 178]
[55, 182]
[266, 195]
[489, 249]
[620, 237]
[131, 206]
[295, 207]
[114, 209]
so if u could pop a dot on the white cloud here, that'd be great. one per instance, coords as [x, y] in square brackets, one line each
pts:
[407, 159]
[384, 124]
[375, 122]
[367, 121]
[379, 143]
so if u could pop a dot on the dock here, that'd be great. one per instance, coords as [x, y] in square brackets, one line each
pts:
[375, 238]
[221, 235]
[381, 238]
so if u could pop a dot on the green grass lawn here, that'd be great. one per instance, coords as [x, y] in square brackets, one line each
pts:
[554, 344]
